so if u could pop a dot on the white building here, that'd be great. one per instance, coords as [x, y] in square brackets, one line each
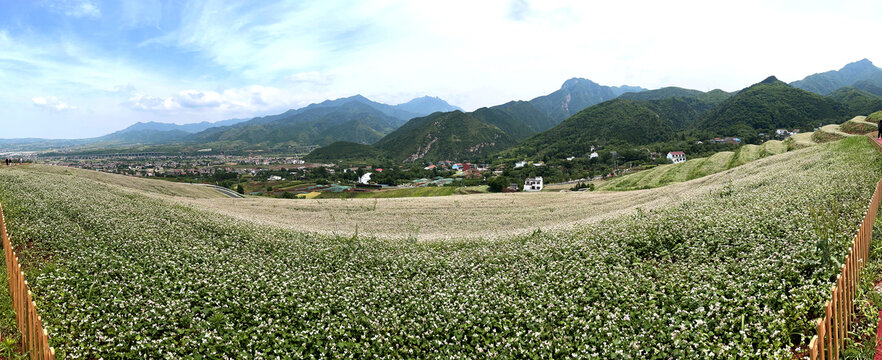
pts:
[533, 184]
[677, 156]
[274, 178]
[364, 179]
[593, 155]
[520, 164]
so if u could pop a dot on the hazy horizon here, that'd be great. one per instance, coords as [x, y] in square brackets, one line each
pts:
[85, 68]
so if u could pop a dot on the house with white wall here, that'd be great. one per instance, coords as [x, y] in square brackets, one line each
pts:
[533, 184]
[677, 156]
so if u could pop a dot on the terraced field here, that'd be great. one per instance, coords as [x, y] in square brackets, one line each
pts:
[695, 168]
[725, 266]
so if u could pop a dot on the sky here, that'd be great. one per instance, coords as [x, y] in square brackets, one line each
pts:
[84, 68]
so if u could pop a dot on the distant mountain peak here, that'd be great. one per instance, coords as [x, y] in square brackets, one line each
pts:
[862, 64]
[576, 82]
[851, 74]
[427, 105]
[771, 80]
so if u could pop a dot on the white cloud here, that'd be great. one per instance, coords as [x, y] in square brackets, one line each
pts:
[248, 99]
[74, 8]
[52, 102]
[311, 78]
[151, 103]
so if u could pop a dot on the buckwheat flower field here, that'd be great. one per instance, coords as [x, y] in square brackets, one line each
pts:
[733, 270]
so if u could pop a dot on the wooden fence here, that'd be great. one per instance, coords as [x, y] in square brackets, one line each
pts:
[34, 338]
[838, 312]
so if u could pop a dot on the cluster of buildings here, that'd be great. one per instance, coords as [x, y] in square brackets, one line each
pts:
[726, 140]
[201, 165]
[784, 133]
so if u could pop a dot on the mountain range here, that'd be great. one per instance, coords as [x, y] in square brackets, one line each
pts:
[862, 75]
[568, 121]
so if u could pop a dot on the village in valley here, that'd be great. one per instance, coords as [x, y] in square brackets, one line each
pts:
[290, 176]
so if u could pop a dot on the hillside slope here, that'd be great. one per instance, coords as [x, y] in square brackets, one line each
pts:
[769, 105]
[827, 82]
[577, 94]
[352, 121]
[620, 120]
[441, 136]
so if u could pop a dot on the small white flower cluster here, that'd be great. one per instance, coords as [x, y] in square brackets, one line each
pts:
[729, 270]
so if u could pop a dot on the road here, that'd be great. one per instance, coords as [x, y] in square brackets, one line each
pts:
[224, 191]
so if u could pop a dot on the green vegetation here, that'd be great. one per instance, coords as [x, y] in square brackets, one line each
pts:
[859, 102]
[353, 121]
[875, 117]
[616, 121]
[442, 136]
[518, 119]
[693, 168]
[868, 302]
[858, 125]
[771, 105]
[8, 329]
[850, 75]
[343, 152]
[120, 274]
[712, 97]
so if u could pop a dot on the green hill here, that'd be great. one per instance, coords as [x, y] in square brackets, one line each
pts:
[769, 105]
[872, 84]
[615, 121]
[346, 152]
[352, 121]
[454, 135]
[519, 119]
[858, 101]
[712, 97]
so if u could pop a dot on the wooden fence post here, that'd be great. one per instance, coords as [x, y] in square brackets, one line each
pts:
[828, 313]
[34, 339]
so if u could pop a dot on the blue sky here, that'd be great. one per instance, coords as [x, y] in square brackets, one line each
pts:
[81, 68]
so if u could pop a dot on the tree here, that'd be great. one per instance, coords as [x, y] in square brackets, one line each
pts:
[240, 189]
[497, 184]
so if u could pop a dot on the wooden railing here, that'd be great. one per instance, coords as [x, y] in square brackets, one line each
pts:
[34, 338]
[838, 312]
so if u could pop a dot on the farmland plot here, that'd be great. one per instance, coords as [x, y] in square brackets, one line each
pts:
[731, 269]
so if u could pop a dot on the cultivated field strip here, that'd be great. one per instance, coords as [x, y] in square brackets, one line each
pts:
[726, 266]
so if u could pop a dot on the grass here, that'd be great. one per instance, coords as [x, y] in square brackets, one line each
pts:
[141, 185]
[868, 303]
[8, 327]
[745, 154]
[671, 173]
[801, 140]
[858, 125]
[773, 147]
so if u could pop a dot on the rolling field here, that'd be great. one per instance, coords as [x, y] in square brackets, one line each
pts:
[725, 266]
[695, 168]
[671, 173]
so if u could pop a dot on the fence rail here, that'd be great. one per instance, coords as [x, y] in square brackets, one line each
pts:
[839, 310]
[34, 338]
